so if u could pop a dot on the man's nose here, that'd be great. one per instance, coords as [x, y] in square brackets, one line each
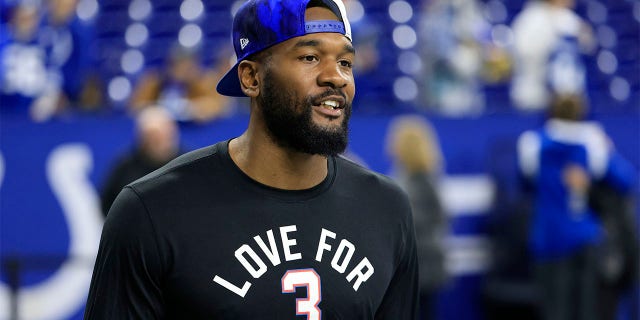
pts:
[333, 76]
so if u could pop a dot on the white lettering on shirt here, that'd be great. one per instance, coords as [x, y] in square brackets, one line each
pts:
[256, 267]
[272, 251]
[288, 243]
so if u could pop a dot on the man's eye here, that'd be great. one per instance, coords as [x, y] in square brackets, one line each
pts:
[309, 58]
[346, 63]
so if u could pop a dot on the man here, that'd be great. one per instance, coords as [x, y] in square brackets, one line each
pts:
[560, 162]
[158, 143]
[236, 229]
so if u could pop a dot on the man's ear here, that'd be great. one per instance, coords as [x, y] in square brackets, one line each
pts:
[248, 75]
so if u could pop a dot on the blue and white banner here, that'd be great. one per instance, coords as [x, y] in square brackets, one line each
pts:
[51, 173]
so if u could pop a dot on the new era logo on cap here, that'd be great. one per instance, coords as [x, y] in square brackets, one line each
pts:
[264, 23]
[243, 43]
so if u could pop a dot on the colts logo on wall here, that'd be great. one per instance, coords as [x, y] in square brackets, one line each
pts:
[64, 291]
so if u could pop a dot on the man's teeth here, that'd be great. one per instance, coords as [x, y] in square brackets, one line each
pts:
[330, 103]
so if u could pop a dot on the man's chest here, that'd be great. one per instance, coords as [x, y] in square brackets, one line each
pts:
[304, 268]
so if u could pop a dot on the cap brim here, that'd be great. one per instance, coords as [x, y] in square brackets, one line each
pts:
[229, 85]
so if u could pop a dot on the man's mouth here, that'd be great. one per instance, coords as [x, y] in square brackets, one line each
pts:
[331, 104]
[330, 107]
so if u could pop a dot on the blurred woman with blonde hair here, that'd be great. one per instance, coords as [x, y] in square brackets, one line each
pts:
[413, 146]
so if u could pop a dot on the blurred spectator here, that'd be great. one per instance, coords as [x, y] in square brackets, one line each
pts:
[414, 148]
[550, 41]
[24, 78]
[68, 43]
[184, 87]
[561, 161]
[366, 69]
[454, 41]
[372, 89]
[45, 62]
[620, 252]
[157, 143]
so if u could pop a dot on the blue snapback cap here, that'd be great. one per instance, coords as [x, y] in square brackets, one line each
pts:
[260, 24]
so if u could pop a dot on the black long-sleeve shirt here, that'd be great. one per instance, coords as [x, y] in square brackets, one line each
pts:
[198, 239]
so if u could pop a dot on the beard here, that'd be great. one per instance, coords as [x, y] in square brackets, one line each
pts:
[290, 123]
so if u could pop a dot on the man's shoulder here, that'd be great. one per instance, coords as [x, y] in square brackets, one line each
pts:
[365, 178]
[377, 196]
[177, 168]
[349, 166]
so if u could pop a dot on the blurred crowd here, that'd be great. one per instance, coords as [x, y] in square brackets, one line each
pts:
[445, 57]
[50, 67]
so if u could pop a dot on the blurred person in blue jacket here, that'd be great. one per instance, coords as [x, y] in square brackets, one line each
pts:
[24, 79]
[374, 86]
[44, 61]
[67, 40]
[367, 67]
[561, 161]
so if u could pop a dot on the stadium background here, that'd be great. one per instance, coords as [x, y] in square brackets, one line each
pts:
[50, 171]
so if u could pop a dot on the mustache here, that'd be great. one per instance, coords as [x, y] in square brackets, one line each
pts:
[329, 93]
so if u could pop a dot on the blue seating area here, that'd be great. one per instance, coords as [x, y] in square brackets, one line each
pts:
[613, 87]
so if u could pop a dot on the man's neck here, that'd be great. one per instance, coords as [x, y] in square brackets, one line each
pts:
[259, 157]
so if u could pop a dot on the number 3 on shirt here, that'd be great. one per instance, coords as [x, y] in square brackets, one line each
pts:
[304, 278]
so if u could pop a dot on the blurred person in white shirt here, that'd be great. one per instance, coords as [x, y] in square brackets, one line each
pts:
[542, 30]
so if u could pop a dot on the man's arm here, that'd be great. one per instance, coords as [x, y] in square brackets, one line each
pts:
[620, 174]
[401, 299]
[128, 269]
